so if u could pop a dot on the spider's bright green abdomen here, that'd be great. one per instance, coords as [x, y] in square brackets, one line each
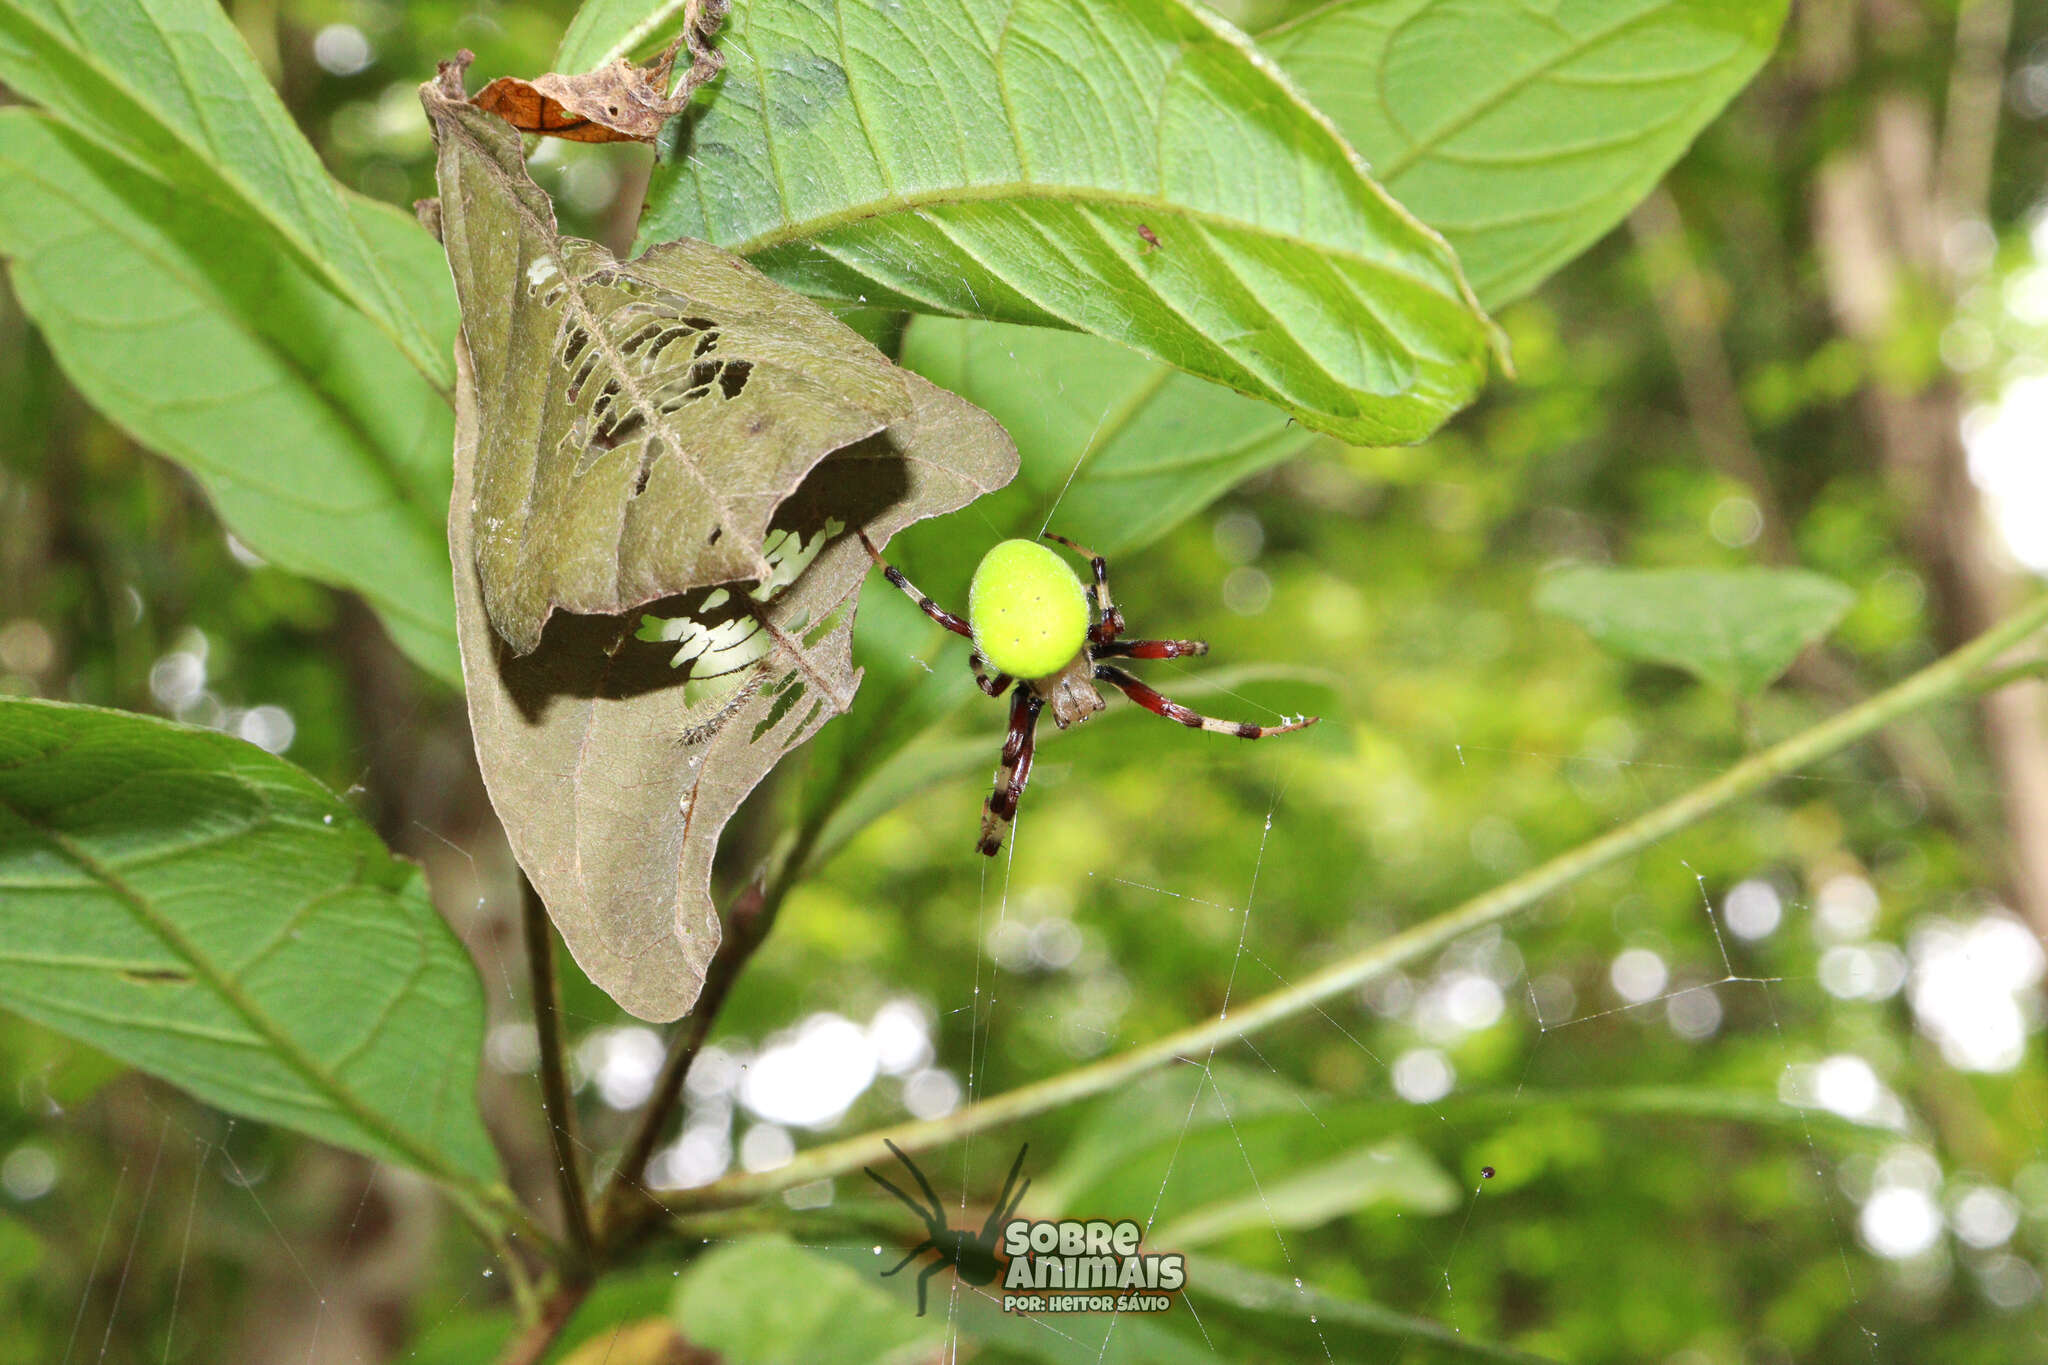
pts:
[1028, 609]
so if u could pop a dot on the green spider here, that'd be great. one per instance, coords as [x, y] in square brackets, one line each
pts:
[1028, 615]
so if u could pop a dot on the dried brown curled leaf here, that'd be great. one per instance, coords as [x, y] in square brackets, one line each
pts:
[640, 420]
[679, 433]
[618, 102]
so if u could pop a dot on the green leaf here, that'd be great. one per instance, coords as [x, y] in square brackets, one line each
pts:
[1224, 1150]
[1128, 446]
[1396, 1174]
[766, 1301]
[169, 86]
[209, 913]
[477, 1333]
[658, 429]
[21, 1251]
[1187, 1145]
[604, 29]
[1582, 111]
[318, 444]
[1735, 628]
[1308, 1323]
[1008, 161]
[1069, 1338]
[1522, 131]
[1226, 1312]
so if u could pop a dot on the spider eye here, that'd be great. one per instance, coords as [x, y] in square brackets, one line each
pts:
[1027, 608]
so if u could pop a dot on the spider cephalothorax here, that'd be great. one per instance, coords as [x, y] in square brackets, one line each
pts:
[1030, 619]
[972, 1255]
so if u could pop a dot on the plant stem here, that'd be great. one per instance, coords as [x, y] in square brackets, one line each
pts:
[532, 1342]
[556, 1101]
[747, 924]
[2032, 670]
[1957, 673]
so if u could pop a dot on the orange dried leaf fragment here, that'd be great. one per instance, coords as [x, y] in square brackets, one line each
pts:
[620, 101]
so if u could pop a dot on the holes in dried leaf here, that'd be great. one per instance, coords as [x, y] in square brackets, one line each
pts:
[640, 338]
[814, 635]
[643, 341]
[544, 283]
[615, 429]
[648, 454]
[581, 374]
[787, 693]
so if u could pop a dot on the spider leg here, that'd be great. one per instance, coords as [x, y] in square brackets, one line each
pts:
[920, 1249]
[1110, 621]
[925, 1186]
[1194, 720]
[934, 1268]
[933, 1218]
[1013, 773]
[924, 604]
[1151, 649]
[1006, 1201]
[1015, 1200]
[992, 683]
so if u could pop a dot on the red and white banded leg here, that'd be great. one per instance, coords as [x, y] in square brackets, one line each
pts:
[1151, 649]
[1109, 622]
[924, 604]
[1013, 773]
[1194, 720]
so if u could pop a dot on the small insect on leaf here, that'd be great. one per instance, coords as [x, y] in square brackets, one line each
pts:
[618, 102]
[157, 976]
[1151, 239]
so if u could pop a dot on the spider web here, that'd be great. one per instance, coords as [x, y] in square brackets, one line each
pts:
[1552, 1030]
[1550, 1026]
[1705, 986]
